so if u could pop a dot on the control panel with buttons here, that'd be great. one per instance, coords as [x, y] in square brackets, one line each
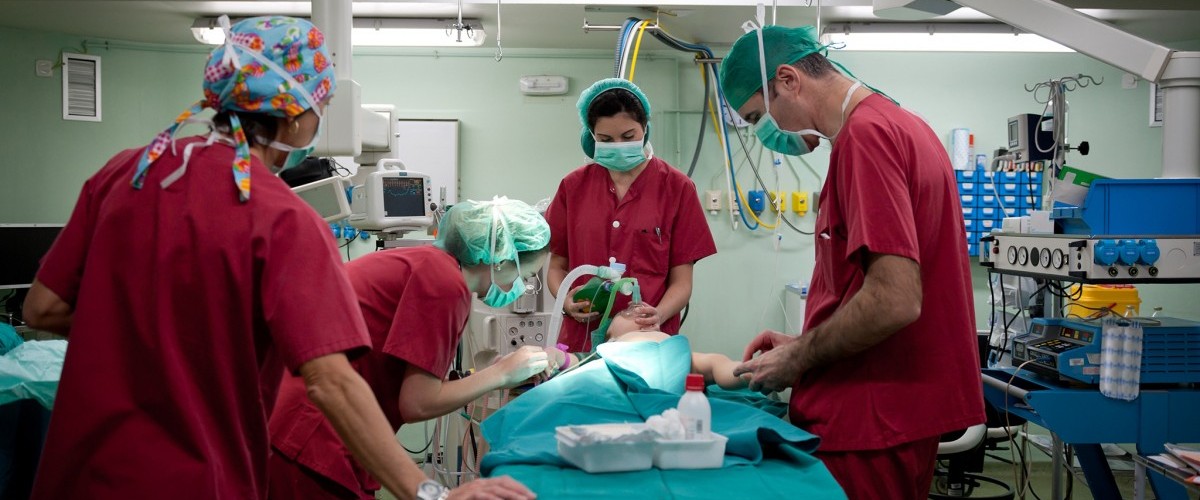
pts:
[1140, 259]
[515, 331]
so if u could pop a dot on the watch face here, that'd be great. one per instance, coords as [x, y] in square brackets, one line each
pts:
[1058, 259]
[430, 490]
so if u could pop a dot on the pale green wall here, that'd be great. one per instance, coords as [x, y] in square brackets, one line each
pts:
[521, 146]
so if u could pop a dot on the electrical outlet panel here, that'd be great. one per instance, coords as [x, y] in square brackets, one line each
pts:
[777, 200]
[800, 202]
[712, 201]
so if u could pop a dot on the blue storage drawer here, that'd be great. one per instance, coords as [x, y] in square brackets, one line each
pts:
[968, 200]
[972, 249]
[986, 225]
[987, 213]
[967, 175]
[987, 201]
[970, 212]
[1009, 177]
[968, 188]
[1031, 189]
[1008, 188]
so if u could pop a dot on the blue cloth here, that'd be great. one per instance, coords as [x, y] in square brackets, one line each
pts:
[31, 371]
[8, 338]
[765, 456]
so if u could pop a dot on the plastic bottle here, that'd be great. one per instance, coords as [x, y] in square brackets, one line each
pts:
[694, 409]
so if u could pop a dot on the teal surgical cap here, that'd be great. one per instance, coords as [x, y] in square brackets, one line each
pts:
[586, 138]
[467, 230]
[741, 75]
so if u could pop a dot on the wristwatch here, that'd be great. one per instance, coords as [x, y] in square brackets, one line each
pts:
[432, 490]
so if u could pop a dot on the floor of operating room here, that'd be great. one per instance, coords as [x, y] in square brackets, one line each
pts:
[1040, 474]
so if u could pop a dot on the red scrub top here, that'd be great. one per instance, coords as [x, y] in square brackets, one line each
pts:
[187, 303]
[658, 225]
[416, 305]
[891, 190]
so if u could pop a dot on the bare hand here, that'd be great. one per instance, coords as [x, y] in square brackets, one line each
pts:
[518, 366]
[576, 309]
[503, 487]
[777, 368]
[646, 316]
[765, 341]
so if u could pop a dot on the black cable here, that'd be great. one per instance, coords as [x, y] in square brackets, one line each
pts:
[683, 317]
[794, 228]
[703, 122]
[422, 450]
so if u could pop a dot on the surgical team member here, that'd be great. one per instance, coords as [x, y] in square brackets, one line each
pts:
[416, 302]
[184, 293]
[627, 205]
[888, 362]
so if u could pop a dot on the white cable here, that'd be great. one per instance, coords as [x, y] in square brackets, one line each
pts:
[499, 25]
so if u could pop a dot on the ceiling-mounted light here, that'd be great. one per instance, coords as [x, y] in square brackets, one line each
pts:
[206, 30]
[395, 32]
[936, 37]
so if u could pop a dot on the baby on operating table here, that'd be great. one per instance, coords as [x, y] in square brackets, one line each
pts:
[716, 368]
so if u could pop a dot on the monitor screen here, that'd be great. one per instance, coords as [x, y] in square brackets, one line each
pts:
[22, 247]
[1013, 131]
[403, 196]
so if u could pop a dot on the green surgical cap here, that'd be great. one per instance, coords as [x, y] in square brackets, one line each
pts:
[741, 75]
[591, 93]
[466, 231]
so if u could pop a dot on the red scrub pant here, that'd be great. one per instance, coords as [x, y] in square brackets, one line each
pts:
[902, 472]
[288, 480]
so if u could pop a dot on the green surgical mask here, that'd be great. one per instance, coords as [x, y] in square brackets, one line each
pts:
[620, 156]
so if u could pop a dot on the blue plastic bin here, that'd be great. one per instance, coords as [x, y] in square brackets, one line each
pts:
[1010, 177]
[968, 200]
[986, 225]
[1135, 206]
[970, 212]
[987, 201]
[987, 212]
[967, 175]
[1031, 189]
[972, 250]
[968, 188]
[1008, 188]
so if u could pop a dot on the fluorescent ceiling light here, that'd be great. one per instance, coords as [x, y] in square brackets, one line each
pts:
[395, 32]
[399, 32]
[936, 37]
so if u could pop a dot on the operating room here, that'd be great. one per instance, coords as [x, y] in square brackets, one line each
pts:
[490, 110]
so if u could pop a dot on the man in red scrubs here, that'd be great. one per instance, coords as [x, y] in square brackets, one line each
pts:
[416, 302]
[184, 297]
[888, 362]
[628, 206]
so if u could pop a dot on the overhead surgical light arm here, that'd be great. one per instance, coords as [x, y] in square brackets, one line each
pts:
[1178, 73]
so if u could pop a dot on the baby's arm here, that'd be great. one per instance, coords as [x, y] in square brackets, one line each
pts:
[718, 368]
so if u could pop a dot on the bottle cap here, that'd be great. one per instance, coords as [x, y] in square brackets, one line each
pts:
[695, 382]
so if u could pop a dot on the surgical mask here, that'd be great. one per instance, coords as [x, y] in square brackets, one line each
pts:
[620, 156]
[495, 296]
[498, 298]
[296, 155]
[767, 130]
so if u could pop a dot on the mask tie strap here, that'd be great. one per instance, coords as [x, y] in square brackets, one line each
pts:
[187, 157]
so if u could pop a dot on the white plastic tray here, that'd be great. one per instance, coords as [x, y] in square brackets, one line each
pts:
[690, 454]
[605, 457]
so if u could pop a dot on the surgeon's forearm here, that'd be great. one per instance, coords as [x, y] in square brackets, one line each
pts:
[556, 273]
[889, 300]
[347, 401]
[678, 293]
[423, 396]
[44, 310]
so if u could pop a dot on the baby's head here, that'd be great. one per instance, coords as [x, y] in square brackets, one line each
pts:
[623, 323]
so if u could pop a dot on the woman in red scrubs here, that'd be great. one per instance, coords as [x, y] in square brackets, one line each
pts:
[627, 206]
[184, 297]
[416, 302]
